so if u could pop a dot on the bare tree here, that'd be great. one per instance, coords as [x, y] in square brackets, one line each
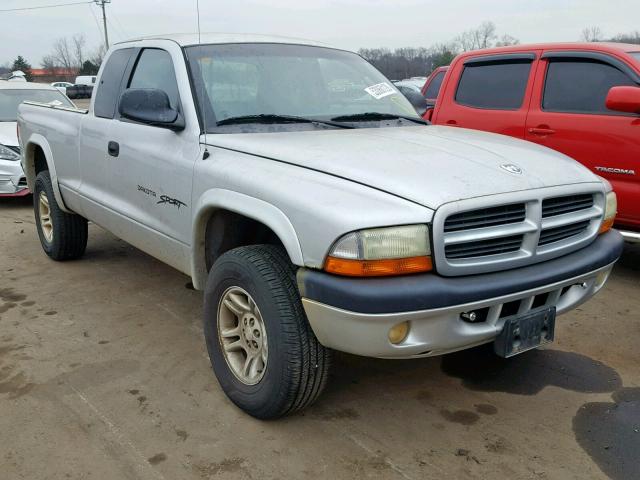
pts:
[482, 36]
[62, 53]
[506, 40]
[49, 64]
[592, 34]
[78, 49]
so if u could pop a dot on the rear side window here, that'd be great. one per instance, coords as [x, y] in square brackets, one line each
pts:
[110, 81]
[494, 86]
[434, 86]
[155, 70]
[581, 86]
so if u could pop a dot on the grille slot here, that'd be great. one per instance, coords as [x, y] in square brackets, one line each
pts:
[485, 217]
[481, 248]
[22, 182]
[556, 234]
[561, 205]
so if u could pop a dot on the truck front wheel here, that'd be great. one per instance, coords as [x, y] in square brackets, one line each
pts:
[63, 235]
[262, 349]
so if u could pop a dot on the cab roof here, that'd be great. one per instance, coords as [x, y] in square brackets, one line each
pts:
[189, 39]
[605, 47]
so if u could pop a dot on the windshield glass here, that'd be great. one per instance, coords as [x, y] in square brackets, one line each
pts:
[636, 55]
[10, 99]
[237, 80]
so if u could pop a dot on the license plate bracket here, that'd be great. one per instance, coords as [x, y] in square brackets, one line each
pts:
[526, 331]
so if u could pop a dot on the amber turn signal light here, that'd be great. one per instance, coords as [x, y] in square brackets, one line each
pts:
[378, 268]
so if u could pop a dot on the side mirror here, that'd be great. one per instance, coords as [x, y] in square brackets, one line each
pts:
[624, 99]
[416, 100]
[428, 115]
[150, 106]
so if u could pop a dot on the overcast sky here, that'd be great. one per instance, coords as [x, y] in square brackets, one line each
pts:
[348, 24]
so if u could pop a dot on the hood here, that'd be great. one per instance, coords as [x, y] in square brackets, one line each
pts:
[8, 134]
[428, 165]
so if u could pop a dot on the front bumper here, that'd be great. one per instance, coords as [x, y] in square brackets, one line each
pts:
[12, 180]
[355, 315]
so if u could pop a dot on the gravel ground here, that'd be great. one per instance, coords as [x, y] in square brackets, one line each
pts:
[104, 375]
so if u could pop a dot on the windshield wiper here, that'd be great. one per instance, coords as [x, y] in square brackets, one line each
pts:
[273, 118]
[375, 116]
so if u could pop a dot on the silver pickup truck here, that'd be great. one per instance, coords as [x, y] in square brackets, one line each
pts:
[299, 189]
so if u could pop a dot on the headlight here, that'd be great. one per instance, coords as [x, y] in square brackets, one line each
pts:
[8, 154]
[610, 211]
[381, 251]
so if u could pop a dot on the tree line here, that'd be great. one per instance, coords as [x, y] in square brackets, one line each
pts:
[71, 54]
[410, 62]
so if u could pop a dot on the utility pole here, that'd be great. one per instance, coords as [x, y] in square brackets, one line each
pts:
[102, 3]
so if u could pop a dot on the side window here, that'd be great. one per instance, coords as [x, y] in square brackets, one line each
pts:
[155, 70]
[110, 81]
[581, 86]
[494, 86]
[434, 87]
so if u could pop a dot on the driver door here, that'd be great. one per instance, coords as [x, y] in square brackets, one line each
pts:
[151, 167]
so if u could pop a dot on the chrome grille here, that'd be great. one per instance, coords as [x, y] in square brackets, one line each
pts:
[486, 217]
[556, 234]
[510, 230]
[567, 204]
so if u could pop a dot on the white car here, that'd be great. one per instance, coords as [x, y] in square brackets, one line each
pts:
[12, 94]
[62, 86]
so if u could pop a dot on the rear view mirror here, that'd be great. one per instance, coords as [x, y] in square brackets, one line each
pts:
[624, 99]
[150, 106]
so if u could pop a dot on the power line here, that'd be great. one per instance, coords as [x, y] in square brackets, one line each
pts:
[43, 6]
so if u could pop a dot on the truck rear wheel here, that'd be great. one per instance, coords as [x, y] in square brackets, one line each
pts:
[262, 349]
[63, 236]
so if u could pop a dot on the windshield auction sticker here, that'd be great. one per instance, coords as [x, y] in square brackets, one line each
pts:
[380, 90]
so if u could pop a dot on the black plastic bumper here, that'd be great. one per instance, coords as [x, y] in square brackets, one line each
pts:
[429, 291]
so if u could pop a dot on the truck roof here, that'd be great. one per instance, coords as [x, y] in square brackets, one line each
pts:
[7, 85]
[188, 39]
[609, 47]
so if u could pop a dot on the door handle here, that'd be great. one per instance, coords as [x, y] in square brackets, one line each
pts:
[113, 149]
[541, 131]
[451, 123]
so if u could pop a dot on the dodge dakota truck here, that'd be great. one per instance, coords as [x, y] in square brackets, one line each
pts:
[581, 99]
[316, 210]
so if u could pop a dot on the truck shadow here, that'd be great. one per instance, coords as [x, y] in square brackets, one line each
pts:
[527, 374]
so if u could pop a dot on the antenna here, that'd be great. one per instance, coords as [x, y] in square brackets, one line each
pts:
[205, 155]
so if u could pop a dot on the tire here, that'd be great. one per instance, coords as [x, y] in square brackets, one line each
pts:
[297, 365]
[64, 236]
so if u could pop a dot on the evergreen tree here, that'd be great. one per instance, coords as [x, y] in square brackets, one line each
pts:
[21, 64]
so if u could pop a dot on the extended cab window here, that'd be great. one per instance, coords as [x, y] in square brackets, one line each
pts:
[434, 86]
[110, 82]
[495, 85]
[580, 86]
[155, 70]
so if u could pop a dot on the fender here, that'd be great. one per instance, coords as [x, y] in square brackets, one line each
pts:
[28, 165]
[242, 204]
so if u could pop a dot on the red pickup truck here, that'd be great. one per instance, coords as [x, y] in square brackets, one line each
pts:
[582, 99]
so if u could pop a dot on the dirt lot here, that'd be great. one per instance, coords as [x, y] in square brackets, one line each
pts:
[104, 375]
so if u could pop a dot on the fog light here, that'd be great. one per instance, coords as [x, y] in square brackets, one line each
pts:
[398, 333]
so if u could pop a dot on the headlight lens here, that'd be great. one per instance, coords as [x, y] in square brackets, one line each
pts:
[381, 251]
[610, 211]
[8, 154]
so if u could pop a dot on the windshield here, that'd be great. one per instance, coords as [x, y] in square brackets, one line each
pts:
[10, 99]
[239, 80]
[636, 55]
